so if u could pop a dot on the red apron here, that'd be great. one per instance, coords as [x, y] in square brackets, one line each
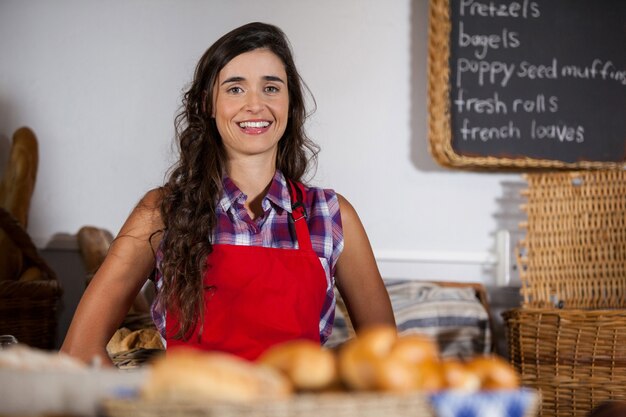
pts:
[258, 296]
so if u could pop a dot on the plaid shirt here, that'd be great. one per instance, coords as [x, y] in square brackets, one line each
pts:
[272, 230]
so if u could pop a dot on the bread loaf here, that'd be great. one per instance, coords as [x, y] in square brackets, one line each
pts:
[458, 376]
[189, 374]
[392, 374]
[415, 349]
[93, 243]
[16, 188]
[124, 340]
[359, 357]
[305, 363]
[494, 372]
[26, 358]
[377, 359]
[142, 339]
[115, 344]
[430, 376]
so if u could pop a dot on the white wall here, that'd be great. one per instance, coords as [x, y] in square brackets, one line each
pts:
[100, 83]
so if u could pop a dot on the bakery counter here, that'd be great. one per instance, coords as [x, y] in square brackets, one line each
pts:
[113, 393]
[296, 379]
[57, 392]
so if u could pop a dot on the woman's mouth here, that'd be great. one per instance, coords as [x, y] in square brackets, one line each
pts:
[254, 127]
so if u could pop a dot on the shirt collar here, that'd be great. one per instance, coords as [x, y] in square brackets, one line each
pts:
[277, 194]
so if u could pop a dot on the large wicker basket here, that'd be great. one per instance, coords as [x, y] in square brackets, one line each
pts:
[28, 309]
[568, 340]
[575, 358]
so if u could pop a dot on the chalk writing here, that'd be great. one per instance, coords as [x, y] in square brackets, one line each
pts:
[524, 9]
[511, 86]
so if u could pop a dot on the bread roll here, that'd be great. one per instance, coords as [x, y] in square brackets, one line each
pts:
[392, 374]
[359, 357]
[430, 376]
[401, 369]
[189, 374]
[494, 372]
[415, 349]
[458, 376]
[307, 365]
[115, 344]
[377, 340]
[142, 339]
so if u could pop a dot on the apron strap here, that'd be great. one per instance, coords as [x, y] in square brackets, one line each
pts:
[299, 214]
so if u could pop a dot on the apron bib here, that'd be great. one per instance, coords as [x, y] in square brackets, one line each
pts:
[257, 297]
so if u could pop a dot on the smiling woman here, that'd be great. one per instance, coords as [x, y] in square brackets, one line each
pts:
[243, 254]
[251, 105]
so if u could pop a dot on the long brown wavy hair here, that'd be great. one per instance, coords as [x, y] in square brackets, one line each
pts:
[194, 183]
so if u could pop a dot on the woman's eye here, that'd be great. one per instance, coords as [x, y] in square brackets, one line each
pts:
[235, 90]
[271, 89]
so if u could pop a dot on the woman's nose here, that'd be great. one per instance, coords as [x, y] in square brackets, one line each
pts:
[254, 101]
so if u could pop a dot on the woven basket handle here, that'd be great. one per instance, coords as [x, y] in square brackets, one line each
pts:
[22, 240]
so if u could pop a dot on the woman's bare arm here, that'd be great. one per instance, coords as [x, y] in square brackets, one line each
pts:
[111, 292]
[357, 277]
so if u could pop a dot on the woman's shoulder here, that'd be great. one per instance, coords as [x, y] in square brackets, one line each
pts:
[314, 193]
[323, 198]
[152, 199]
[348, 213]
[334, 203]
[148, 209]
[318, 194]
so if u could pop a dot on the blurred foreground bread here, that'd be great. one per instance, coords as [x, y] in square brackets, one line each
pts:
[379, 359]
[25, 358]
[494, 372]
[457, 376]
[376, 360]
[189, 374]
[307, 365]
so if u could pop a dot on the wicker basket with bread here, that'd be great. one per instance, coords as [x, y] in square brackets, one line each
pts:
[377, 373]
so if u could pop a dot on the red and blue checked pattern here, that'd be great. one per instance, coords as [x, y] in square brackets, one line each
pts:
[273, 229]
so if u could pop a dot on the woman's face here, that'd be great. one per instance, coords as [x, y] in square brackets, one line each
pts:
[251, 104]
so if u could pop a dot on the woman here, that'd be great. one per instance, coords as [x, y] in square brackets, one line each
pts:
[246, 256]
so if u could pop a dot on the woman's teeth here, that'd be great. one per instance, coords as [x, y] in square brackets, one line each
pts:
[257, 125]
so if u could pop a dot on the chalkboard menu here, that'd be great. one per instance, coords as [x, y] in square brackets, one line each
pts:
[528, 83]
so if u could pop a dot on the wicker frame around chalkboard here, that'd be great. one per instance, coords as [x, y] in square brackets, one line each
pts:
[439, 109]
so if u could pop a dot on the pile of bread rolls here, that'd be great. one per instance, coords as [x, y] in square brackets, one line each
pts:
[380, 360]
[377, 360]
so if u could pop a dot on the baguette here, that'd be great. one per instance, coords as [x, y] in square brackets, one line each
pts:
[190, 374]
